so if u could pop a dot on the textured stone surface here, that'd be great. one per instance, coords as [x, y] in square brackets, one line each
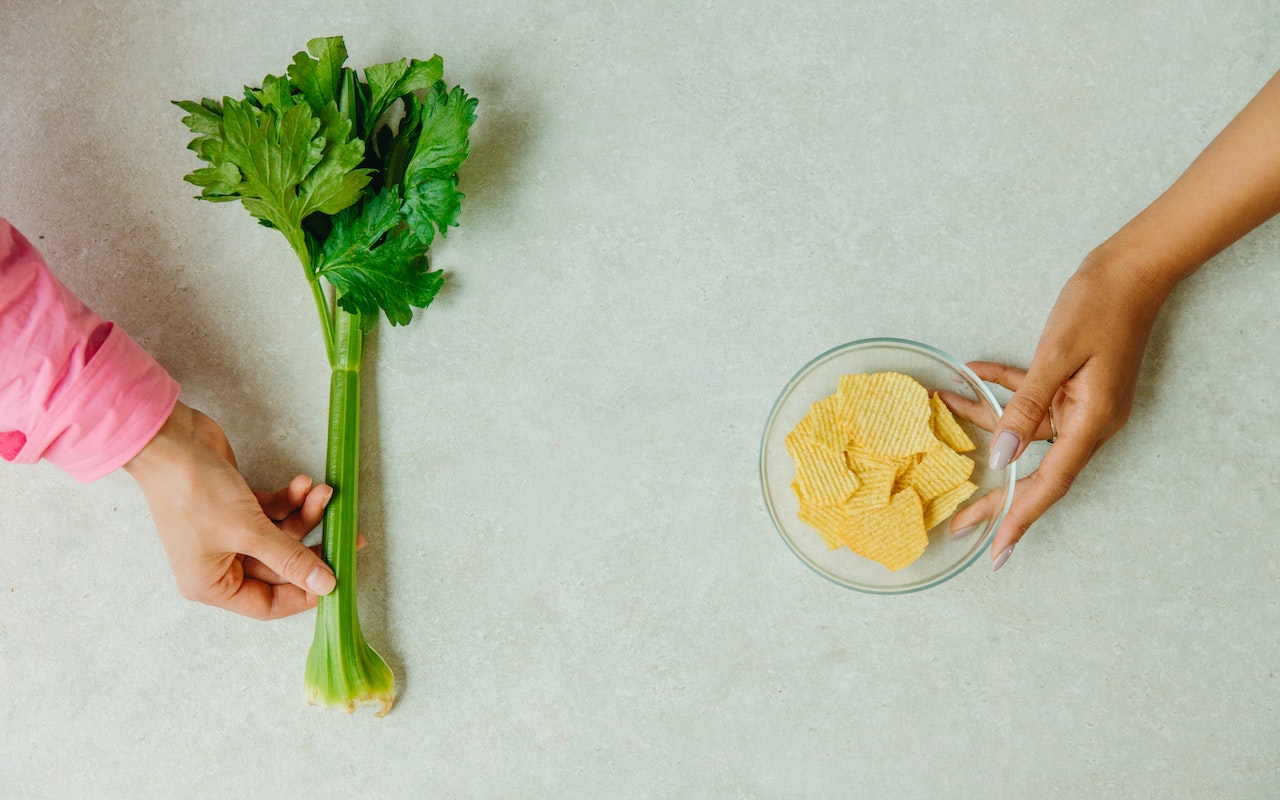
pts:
[670, 208]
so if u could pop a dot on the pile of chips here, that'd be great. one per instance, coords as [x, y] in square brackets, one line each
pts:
[878, 465]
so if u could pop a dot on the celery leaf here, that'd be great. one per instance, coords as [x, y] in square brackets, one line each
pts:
[280, 158]
[391, 81]
[360, 200]
[431, 195]
[375, 261]
[319, 78]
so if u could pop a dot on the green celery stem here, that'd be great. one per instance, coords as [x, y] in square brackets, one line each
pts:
[342, 456]
[342, 670]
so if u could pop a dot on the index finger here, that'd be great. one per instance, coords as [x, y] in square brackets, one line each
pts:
[279, 504]
[1026, 412]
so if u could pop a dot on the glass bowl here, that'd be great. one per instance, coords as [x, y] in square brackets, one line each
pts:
[943, 558]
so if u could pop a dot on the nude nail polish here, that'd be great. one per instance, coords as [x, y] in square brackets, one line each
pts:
[963, 532]
[1002, 450]
[1003, 557]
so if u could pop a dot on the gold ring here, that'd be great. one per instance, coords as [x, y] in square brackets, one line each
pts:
[1053, 427]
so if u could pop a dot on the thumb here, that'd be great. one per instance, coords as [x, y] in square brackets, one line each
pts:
[1024, 413]
[292, 561]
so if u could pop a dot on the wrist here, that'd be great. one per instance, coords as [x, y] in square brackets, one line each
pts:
[166, 447]
[1143, 283]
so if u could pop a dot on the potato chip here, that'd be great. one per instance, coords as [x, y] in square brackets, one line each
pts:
[941, 469]
[822, 475]
[945, 504]
[906, 468]
[821, 426]
[877, 466]
[828, 521]
[803, 431]
[886, 413]
[946, 428]
[893, 535]
[825, 427]
[860, 459]
[874, 492]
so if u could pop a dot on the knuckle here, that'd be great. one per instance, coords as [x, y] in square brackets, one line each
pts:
[1022, 413]
[1005, 372]
[254, 612]
[1055, 350]
[1015, 525]
[1020, 528]
[203, 593]
[296, 564]
[1057, 484]
[216, 594]
[1103, 409]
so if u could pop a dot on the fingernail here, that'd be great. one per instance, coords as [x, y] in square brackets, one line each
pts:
[1003, 557]
[326, 491]
[1002, 451]
[963, 532]
[321, 581]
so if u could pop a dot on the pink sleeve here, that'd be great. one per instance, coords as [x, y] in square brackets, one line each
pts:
[74, 389]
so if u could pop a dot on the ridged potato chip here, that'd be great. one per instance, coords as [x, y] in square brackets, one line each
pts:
[886, 413]
[825, 429]
[893, 534]
[828, 521]
[946, 428]
[945, 504]
[941, 469]
[877, 466]
[823, 476]
[875, 489]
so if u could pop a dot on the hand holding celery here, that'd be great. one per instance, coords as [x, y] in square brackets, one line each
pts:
[315, 155]
[218, 534]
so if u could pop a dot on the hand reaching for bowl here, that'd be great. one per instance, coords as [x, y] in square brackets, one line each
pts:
[1085, 368]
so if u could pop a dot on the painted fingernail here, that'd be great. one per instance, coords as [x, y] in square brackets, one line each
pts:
[1002, 451]
[1003, 557]
[321, 581]
[963, 532]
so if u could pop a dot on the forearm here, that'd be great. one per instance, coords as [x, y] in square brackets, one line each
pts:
[1230, 189]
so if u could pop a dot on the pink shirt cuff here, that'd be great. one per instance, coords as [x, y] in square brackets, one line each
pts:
[115, 407]
[74, 389]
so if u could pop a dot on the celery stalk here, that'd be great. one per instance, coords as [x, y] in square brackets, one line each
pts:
[311, 154]
[343, 671]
